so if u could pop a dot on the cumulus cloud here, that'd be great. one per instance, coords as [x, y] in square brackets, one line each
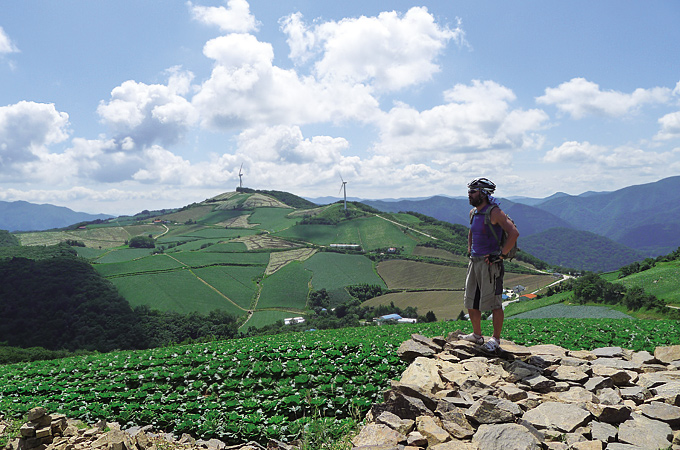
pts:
[390, 51]
[236, 17]
[579, 97]
[476, 117]
[625, 157]
[150, 113]
[26, 131]
[670, 126]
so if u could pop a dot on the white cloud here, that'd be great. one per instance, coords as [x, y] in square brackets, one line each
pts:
[26, 130]
[6, 44]
[150, 113]
[476, 118]
[236, 17]
[670, 126]
[246, 90]
[389, 51]
[579, 97]
[625, 157]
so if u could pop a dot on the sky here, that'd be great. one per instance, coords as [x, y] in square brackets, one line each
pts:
[119, 106]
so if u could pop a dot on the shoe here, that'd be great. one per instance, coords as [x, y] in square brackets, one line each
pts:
[472, 337]
[492, 345]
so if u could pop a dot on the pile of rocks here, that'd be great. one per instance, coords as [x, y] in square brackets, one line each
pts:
[454, 395]
[56, 432]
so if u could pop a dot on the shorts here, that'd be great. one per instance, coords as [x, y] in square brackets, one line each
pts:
[484, 285]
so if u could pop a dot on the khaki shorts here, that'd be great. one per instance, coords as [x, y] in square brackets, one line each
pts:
[484, 285]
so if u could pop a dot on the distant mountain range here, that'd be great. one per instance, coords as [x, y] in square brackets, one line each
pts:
[24, 216]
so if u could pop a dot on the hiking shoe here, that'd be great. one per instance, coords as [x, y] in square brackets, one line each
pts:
[492, 345]
[472, 337]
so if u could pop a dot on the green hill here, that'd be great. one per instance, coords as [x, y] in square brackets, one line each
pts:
[580, 250]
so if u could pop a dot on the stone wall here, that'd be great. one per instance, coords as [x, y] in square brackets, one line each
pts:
[454, 395]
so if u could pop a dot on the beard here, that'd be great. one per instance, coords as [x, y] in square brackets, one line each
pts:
[476, 201]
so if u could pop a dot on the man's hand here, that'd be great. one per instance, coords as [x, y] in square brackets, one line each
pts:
[490, 259]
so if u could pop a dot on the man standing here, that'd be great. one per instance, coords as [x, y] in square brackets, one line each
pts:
[484, 282]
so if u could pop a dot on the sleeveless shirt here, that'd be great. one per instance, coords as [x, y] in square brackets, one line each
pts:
[483, 242]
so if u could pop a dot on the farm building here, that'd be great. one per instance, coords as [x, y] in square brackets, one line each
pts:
[394, 317]
[527, 297]
[293, 320]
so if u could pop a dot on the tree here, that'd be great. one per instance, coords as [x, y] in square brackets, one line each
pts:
[142, 242]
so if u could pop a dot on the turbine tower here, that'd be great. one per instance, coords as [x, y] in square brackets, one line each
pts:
[240, 176]
[343, 187]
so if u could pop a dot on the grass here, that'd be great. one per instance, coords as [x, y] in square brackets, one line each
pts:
[661, 281]
[237, 283]
[268, 317]
[529, 305]
[272, 219]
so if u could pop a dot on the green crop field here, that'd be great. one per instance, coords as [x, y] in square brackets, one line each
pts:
[123, 254]
[401, 274]
[562, 311]
[178, 291]
[236, 282]
[216, 233]
[227, 247]
[286, 288]
[192, 245]
[661, 281]
[334, 271]
[438, 253]
[446, 305]
[267, 317]
[153, 263]
[207, 258]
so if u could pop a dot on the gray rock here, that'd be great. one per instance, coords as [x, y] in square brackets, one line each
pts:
[538, 383]
[512, 393]
[569, 373]
[643, 357]
[377, 434]
[505, 437]
[577, 394]
[491, 409]
[562, 416]
[646, 433]
[434, 434]
[609, 413]
[603, 431]
[617, 363]
[609, 396]
[663, 412]
[596, 383]
[424, 373]
[636, 393]
[608, 352]
[410, 350]
[403, 426]
[669, 392]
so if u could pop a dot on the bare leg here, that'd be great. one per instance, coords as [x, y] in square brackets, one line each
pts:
[476, 319]
[498, 316]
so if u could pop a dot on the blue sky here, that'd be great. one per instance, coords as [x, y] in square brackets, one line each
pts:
[121, 106]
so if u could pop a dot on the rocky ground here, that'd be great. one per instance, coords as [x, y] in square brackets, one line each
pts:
[454, 395]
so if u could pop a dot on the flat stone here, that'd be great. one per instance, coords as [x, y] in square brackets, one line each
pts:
[505, 436]
[670, 392]
[617, 363]
[562, 416]
[377, 434]
[643, 357]
[423, 372]
[538, 383]
[454, 445]
[548, 349]
[609, 396]
[586, 445]
[620, 377]
[577, 394]
[403, 426]
[646, 433]
[603, 431]
[36, 413]
[667, 354]
[582, 354]
[434, 434]
[569, 373]
[410, 350]
[608, 352]
[638, 394]
[609, 413]
[596, 383]
[489, 409]
[512, 393]
[663, 412]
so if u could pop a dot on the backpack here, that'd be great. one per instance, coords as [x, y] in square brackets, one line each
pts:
[487, 221]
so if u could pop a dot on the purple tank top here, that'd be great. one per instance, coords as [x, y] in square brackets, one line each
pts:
[483, 242]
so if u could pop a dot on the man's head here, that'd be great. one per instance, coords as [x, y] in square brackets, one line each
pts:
[479, 191]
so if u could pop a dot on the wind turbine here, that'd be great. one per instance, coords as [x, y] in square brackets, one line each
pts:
[343, 187]
[240, 176]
